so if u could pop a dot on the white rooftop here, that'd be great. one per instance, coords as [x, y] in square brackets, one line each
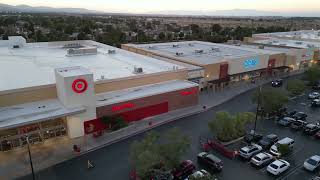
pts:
[303, 34]
[266, 49]
[207, 53]
[33, 64]
[290, 43]
[142, 91]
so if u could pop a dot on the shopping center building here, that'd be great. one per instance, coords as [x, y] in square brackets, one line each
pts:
[222, 63]
[65, 88]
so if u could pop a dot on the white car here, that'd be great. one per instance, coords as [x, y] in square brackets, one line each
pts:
[199, 174]
[261, 159]
[314, 95]
[278, 167]
[248, 151]
[312, 163]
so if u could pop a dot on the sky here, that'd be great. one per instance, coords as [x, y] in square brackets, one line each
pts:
[142, 6]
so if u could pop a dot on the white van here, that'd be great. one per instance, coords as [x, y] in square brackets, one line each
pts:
[284, 141]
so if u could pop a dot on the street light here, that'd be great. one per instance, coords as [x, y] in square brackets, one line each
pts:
[31, 165]
[257, 111]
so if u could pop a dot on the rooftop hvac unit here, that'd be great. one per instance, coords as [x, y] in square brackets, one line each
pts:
[179, 53]
[82, 51]
[73, 45]
[190, 44]
[238, 44]
[175, 45]
[137, 70]
[151, 47]
[16, 46]
[215, 49]
[282, 44]
[198, 51]
[261, 47]
[298, 42]
[319, 33]
[111, 51]
[311, 46]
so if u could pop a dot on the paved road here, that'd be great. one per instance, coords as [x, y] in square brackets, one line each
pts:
[112, 162]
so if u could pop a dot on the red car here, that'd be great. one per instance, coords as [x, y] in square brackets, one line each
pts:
[317, 135]
[185, 169]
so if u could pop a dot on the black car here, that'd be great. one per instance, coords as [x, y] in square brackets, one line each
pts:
[252, 137]
[210, 160]
[300, 116]
[292, 113]
[316, 86]
[311, 129]
[298, 125]
[267, 141]
[277, 83]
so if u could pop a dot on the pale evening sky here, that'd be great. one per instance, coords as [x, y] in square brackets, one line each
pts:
[141, 6]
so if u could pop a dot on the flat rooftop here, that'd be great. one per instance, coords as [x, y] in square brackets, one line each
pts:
[303, 34]
[266, 49]
[289, 43]
[197, 52]
[142, 91]
[33, 64]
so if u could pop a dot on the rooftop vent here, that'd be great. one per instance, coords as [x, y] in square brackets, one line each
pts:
[237, 44]
[82, 51]
[216, 49]
[298, 42]
[311, 46]
[151, 47]
[179, 53]
[190, 44]
[111, 51]
[16, 46]
[198, 51]
[73, 45]
[175, 45]
[261, 47]
[137, 70]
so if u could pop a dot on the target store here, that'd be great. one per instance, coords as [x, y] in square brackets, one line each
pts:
[49, 90]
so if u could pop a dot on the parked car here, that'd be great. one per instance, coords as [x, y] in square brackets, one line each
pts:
[300, 116]
[315, 103]
[183, 170]
[261, 159]
[316, 86]
[285, 141]
[210, 160]
[312, 163]
[267, 141]
[286, 121]
[278, 166]
[298, 125]
[277, 83]
[317, 135]
[311, 129]
[199, 174]
[292, 113]
[315, 178]
[252, 137]
[248, 151]
[314, 95]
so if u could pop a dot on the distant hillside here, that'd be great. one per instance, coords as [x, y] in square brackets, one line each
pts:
[43, 9]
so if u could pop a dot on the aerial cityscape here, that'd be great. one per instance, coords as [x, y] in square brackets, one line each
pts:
[168, 90]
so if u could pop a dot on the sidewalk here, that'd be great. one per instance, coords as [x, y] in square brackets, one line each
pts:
[15, 163]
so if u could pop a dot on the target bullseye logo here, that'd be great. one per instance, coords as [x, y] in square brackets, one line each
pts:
[79, 85]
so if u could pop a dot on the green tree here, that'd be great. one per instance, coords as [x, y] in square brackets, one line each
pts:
[271, 99]
[295, 87]
[157, 154]
[228, 127]
[162, 36]
[216, 28]
[312, 75]
[284, 149]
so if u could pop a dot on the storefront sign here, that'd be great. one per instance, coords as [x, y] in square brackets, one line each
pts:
[187, 93]
[251, 63]
[122, 106]
[79, 85]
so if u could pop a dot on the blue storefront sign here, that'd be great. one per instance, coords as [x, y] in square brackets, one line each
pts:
[251, 63]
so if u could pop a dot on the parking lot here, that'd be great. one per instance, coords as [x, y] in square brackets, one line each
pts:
[111, 162]
[305, 146]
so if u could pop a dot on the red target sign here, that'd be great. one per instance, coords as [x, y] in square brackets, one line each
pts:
[79, 85]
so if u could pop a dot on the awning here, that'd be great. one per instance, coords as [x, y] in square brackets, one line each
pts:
[29, 113]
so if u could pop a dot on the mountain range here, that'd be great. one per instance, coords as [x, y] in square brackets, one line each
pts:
[233, 12]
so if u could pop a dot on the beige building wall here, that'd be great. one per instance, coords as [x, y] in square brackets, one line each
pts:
[32, 95]
[212, 71]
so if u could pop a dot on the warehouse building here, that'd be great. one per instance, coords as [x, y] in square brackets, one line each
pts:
[303, 35]
[223, 64]
[65, 88]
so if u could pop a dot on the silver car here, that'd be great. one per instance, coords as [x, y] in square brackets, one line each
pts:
[261, 159]
[248, 151]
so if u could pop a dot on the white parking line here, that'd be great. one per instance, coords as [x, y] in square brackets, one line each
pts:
[291, 172]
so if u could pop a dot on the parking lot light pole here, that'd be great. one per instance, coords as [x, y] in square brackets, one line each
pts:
[30, 159]
[257, 111]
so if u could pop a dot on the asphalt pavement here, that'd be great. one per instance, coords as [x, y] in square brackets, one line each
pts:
[112, 162]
